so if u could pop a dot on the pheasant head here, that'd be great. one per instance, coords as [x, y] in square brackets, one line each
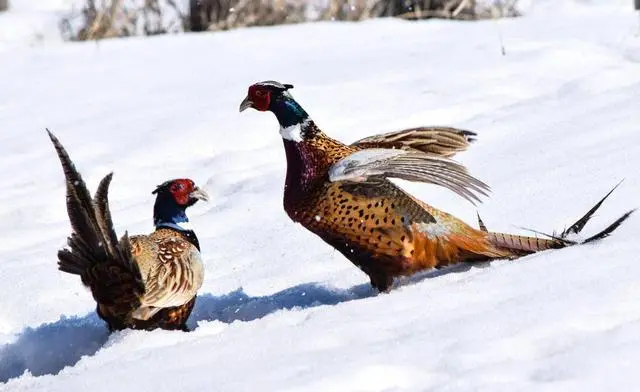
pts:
[295, 124]
[172, 200]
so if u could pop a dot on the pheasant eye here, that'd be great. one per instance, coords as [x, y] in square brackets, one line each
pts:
[259, 93]
[176, 187]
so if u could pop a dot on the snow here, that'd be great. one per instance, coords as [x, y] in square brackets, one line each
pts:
[32, 22]
[557, 120]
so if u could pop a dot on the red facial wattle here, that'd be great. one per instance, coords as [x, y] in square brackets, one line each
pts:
[180, 189]
[260, 97]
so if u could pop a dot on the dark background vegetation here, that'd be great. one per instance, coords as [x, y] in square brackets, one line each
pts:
[98, 19]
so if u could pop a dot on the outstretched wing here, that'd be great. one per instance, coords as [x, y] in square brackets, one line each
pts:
[443, 141]
[104, 264]
[411, 165]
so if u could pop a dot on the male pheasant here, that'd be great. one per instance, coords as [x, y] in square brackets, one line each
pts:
[139, 282]
[341, 193]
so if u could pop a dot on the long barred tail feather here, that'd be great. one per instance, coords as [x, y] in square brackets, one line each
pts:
[522, 245]
[607, 232]
[580, 223]
[87, 236]
[103, 216]
[104, 264]
[527, 245]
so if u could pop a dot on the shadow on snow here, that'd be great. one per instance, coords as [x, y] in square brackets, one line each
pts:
[51, 347]
[238, 306]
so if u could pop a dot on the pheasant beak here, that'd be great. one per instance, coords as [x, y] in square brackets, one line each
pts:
[246, 104]
[199, 194]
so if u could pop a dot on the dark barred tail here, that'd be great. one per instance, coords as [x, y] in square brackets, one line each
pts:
[104, 264]
[610, 229]
[522, 245]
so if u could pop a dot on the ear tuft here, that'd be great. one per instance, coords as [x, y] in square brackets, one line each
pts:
[161, 186]
[287, 86]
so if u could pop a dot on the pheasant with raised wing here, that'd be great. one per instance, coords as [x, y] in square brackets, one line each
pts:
[342, 193]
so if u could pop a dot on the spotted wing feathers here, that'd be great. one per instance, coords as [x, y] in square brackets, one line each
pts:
[104, 264]
[173, 276]
[443, 141]
[408, 165]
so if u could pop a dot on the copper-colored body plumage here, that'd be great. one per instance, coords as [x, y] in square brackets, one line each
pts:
[379, 227]
[342, 194]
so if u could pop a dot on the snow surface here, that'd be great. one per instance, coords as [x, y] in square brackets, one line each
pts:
[557, 119]
[32, 22]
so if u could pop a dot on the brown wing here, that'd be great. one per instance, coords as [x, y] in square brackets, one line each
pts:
[175, 273]
[443, 141]
[408, 165]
